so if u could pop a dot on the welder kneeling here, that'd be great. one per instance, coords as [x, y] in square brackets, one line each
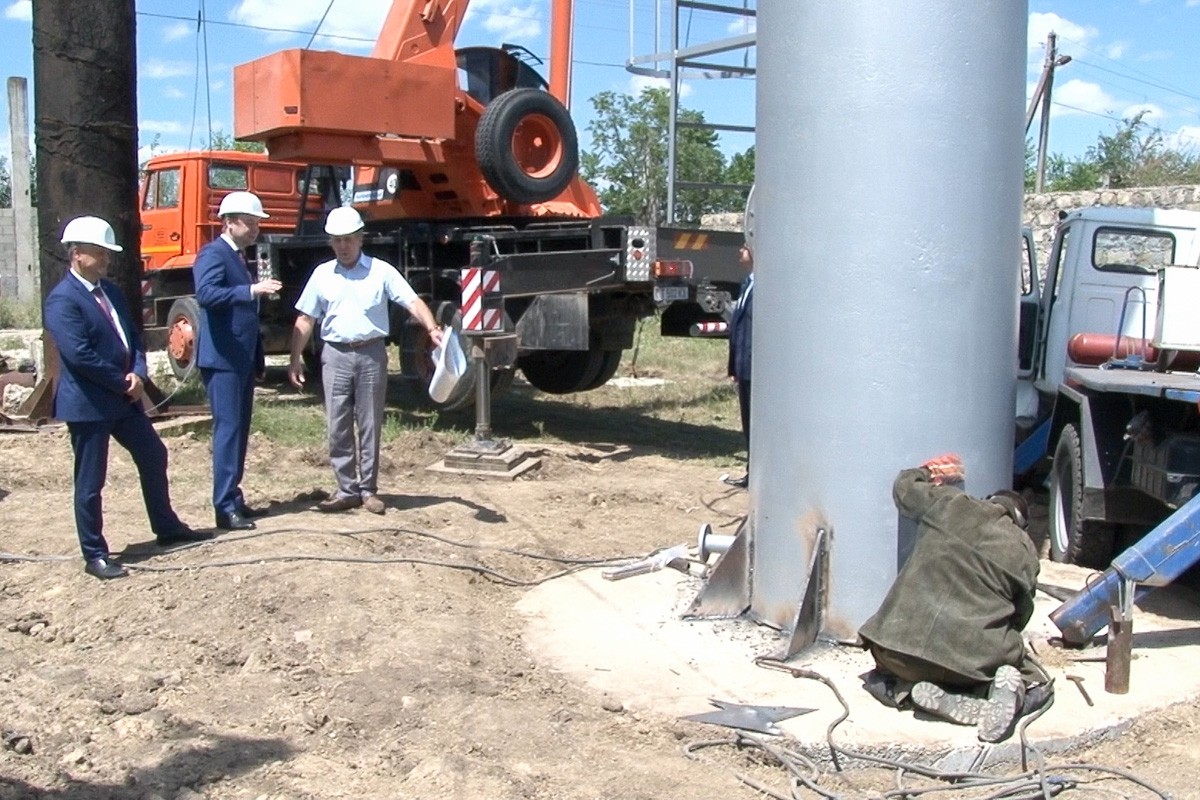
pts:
[947, 638]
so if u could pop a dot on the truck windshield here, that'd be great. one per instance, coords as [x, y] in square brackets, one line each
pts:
[1142, 252]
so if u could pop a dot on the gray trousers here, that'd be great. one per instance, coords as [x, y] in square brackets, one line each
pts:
[355, 380]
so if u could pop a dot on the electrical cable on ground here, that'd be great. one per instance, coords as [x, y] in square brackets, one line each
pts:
[574, 564]
[1040, 783]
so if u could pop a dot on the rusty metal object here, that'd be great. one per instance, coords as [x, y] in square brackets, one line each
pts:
[1078, 681]
[1120, 651]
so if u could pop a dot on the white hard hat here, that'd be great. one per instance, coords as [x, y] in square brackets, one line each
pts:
[242, 203]
[91, 230]
[343, 221]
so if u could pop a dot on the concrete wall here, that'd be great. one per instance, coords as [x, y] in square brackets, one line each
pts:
[8, 254]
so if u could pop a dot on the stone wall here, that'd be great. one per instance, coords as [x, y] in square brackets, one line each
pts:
[1040, 211]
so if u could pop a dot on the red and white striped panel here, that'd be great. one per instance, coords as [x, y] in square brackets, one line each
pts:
[475, 284]
[147, 307]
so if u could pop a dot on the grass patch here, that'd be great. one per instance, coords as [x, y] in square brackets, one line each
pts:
[693, 414]
[290, 424]
[17, 314]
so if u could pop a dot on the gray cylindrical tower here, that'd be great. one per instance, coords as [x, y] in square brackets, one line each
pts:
[890, 157]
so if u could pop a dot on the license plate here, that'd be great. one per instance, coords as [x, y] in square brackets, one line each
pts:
[670, 294]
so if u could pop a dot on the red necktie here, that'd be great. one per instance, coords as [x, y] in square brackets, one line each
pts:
[108, 315]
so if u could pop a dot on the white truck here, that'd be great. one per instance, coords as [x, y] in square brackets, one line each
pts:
[1107, 376]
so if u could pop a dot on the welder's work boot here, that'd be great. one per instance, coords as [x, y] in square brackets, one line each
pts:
[887, 689]
[1036, 697]
[957, 707]
[1004, 704]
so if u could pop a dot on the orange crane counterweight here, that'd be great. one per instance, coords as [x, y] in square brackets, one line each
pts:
[502, 145]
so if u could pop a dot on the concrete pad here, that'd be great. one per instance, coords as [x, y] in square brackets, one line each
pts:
[626, 638]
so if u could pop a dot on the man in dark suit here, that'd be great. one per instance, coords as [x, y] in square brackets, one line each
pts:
[230, 349]
[99, 391]
[740, 324]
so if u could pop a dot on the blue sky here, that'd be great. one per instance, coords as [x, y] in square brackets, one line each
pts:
[1127, 55]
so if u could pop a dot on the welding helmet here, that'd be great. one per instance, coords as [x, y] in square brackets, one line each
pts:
[1014, 504]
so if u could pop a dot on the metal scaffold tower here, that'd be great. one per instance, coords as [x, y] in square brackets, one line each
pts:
[731, 57]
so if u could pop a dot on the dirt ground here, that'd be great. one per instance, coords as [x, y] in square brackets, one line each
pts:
[356, 656]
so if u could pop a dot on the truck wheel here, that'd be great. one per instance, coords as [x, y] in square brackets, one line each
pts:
[183, 332]
[561, 371]
[1072, 539]
[526, 146]
[416, 357]
[609, 364]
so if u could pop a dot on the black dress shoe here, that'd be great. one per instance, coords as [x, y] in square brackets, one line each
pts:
[250, 513]
[183, 534]
[104, 569]
[234, 521]
[738, 483]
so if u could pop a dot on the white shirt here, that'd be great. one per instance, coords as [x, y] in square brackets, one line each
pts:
[112, 312]
[352, 303]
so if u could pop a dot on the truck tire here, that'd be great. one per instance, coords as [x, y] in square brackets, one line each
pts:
[609, 364]
[416, 362]
[1072, 539]
[561, 371]
[183, 332]
[526, 146]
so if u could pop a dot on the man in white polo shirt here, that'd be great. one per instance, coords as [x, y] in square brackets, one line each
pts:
[349, 297]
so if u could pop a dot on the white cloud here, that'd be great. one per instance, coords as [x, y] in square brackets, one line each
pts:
[173, 93]
[1082, 97]
[160, 126]
[1116, 50]
[639, 82]
[1186, 138]
[508, 20]
[358, 20]
[1153, 114]
[157, 68]
[180, 30]
[1191, 3]
[1040, 25]
[19, 10]
[742, 25]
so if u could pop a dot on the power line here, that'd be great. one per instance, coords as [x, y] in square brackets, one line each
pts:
[1154, 83]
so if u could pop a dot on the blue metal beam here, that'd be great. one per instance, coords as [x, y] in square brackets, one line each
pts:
[1160, 557]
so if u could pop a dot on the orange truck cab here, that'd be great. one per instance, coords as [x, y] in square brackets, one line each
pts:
[178, 201]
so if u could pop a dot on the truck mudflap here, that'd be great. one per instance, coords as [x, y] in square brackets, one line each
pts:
[1160, 557]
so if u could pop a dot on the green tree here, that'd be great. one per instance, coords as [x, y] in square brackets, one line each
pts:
[628, 160]
[224, 141]
[1135, 154]
[5, 184]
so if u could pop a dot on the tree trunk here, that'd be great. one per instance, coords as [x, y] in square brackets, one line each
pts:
[85, 118]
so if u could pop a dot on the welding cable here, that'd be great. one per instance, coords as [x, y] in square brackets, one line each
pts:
[603, 561]
[691, 749]
[487, 572]
[959, 780]
[574, 564]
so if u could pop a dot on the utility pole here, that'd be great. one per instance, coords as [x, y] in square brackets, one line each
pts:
[22, 197]
[85, 121]
[1041, 95]
[85, 79]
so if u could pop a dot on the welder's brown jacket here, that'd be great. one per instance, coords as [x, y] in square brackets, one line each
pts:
[966, 592]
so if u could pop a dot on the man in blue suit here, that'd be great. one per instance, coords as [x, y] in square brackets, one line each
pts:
[740, 324]
[229, 352]
[99, 390]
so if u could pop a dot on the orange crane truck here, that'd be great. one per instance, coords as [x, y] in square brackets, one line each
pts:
[445, 147]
